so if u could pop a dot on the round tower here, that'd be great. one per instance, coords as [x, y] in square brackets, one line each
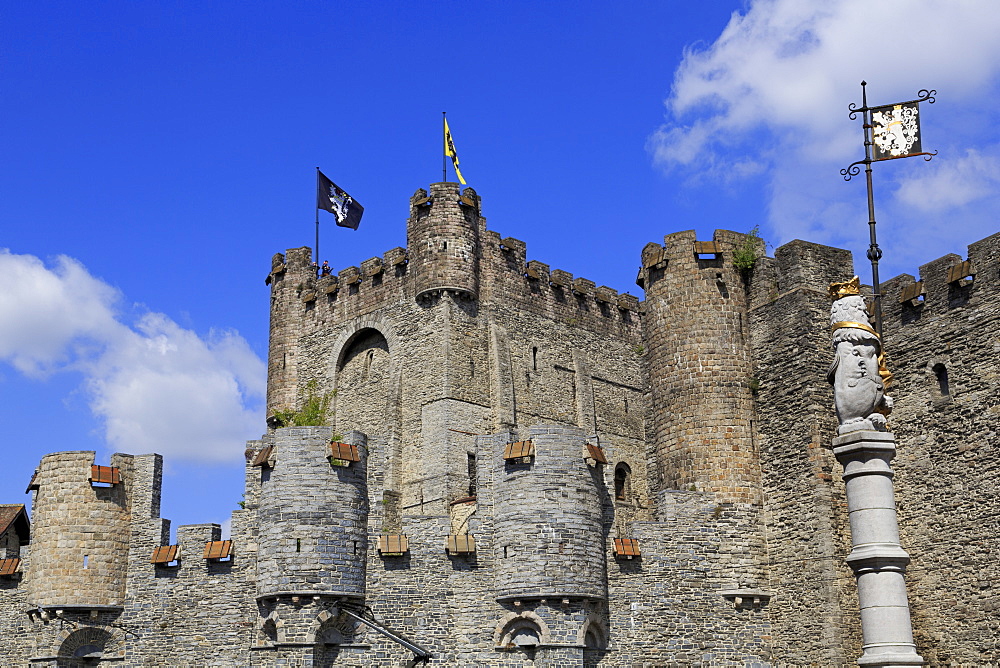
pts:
[313, 517]
[549, 537]
[695, 327]
[80, 531]
[443, 240]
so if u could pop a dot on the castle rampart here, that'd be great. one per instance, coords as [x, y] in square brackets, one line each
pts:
[535, 467]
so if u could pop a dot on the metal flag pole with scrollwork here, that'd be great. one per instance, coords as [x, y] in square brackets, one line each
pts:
[891, 131]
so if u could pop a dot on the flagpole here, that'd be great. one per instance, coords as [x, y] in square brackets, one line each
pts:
[868, 127]
[874, 252]
[317, 218]
[444, 155]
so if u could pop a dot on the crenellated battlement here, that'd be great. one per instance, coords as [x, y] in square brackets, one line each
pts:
[533, 286]
[380, 281]
[944, 284]
[518, 463]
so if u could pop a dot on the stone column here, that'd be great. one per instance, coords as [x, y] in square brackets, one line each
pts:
[876, 558]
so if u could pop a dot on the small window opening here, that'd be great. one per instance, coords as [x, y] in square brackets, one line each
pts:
[298, 544]
[622, 474]
[284, 360]
[369, 356]
[504, 551]
[534, 359]
[626, 405]
[941, 372]
[471, 467]
[86, 561]
[355, 543]
[444, 245]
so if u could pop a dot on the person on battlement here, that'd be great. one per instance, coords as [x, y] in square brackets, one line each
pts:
[325, 270]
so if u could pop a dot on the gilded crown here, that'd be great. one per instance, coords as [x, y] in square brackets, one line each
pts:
[845, 289]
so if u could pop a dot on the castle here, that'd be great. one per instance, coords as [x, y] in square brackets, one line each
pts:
[523, 468]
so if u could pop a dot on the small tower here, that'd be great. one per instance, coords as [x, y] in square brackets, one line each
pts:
[313, 517]
[699, 365]
[443, 236]
[548, 521]
[80, 533]
[550, 575]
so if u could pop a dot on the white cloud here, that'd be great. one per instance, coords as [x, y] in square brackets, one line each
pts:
[44, 312]
[954, 183]
[770, 97]
[156, 386]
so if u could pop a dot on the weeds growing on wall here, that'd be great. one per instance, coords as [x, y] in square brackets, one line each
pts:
[746, 255]
[313, 412]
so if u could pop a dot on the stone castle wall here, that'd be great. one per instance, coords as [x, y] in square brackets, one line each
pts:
[944, 352]
[708, 401]
[804, 504]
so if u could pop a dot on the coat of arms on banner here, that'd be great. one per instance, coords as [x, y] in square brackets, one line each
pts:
[895, 131]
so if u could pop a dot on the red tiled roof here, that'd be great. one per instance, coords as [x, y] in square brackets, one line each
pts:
[14, 514]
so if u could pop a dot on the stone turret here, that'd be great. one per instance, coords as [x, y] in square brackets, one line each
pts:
[313, 517]
[548, 521]
[443, 237]
[699, 365]
[80, 531]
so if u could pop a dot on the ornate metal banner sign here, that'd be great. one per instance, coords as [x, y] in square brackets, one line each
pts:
[891, 131]
[895, 131]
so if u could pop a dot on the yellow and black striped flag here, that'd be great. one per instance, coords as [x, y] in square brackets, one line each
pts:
[449, 150]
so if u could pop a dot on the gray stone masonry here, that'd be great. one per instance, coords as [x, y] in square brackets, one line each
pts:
[549, 533]
[877, 560]
[312, 518]
[708, 400]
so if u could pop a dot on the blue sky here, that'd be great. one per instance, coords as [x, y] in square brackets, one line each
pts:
[155, 156]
